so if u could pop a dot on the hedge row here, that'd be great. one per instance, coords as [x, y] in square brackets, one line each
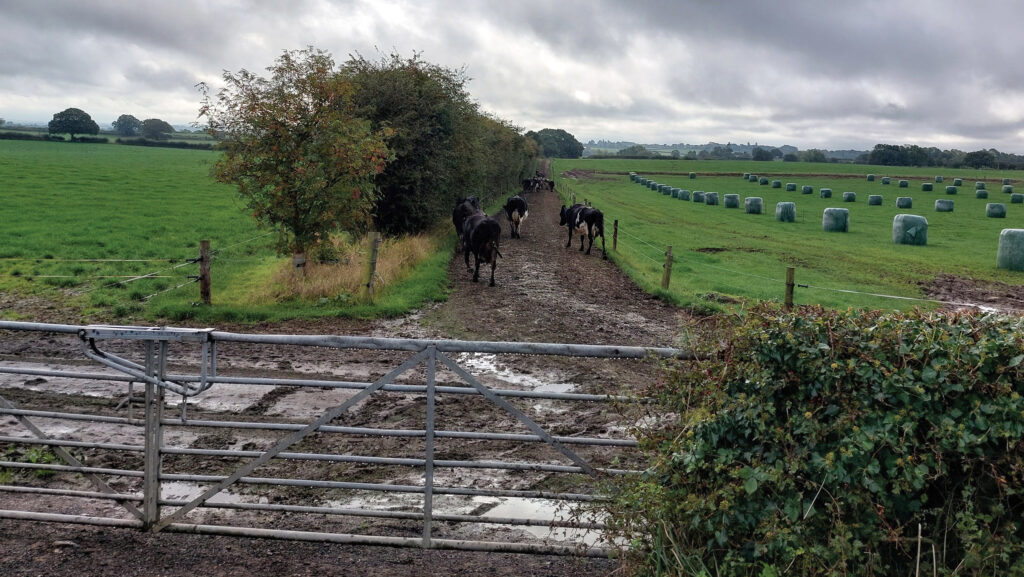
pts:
[816, 443]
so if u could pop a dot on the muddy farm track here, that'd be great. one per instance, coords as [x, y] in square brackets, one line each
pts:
[545, 293]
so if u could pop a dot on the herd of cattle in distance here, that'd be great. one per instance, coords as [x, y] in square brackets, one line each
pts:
[480, 235]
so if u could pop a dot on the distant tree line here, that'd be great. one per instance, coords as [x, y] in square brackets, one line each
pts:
[913, 155]
[556, 143]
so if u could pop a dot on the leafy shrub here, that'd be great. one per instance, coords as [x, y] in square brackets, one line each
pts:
[817, 443]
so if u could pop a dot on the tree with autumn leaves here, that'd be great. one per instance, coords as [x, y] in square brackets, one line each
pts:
[302, 160]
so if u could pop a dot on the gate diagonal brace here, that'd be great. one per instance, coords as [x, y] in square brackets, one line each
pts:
[89, 335]
[290, 440]
[521, 416]
[69, 458]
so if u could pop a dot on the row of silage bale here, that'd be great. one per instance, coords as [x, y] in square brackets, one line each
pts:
[907, 228]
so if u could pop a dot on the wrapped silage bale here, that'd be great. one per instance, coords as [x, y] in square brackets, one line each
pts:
[910, 229]
[754, 204]
[904, 202]
[790, 186]
[849, 196]
[951, 190]
[731, 200]
[785, 212]
[807, 189]
[825, 193]
[835, 220]
[875, 200]
[711, 198]
[926, 186]
[995, 210]
[1010, 254]
[944, 205]
[698, 196]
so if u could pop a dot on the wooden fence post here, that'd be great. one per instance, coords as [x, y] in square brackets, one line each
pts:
[204, 271]
[790, 276]
[615, 237]
[668, 268]
[375, 240]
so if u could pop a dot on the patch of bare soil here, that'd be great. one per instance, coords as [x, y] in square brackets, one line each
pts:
[546, 292]
[968, 293]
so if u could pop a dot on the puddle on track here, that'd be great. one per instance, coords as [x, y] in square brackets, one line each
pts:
[485, 364]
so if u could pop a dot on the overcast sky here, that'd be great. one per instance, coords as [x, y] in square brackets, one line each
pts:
[809, 73]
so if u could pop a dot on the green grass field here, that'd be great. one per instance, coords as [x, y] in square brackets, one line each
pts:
[724, 254]
[79, 223]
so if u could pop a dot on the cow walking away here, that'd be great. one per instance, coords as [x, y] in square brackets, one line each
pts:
[585, 221]
[481, 236]
[516, 209]
[463, 208]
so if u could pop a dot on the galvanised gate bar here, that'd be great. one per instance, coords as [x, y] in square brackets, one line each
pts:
[169, 468]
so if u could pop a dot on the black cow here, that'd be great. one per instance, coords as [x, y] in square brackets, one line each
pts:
[584, 220]
[516, 209]
[481, 236]
[463, 208]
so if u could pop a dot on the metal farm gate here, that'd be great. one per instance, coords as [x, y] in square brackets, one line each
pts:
[139, 446]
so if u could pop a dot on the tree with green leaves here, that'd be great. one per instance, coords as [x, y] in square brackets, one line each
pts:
[979, 159]
[73, 121]
[635, 151]
[127, 125]
[557, 143]
[155, 129]
[302, 160]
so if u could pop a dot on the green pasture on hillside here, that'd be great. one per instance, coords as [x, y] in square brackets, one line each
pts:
[723, 255]
[80, 223]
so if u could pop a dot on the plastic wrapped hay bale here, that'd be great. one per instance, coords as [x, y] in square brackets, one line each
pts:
[675, 192]
[753, 178]
[904, 184]
[1006, 181]
[1007, 188]
[886, 180]
[958, 182]
[926, 186]
[979, 185]
[711, 198]
[790, 186]
[825, 193]
[951, 190]
[684, 194]
[731, 200]
[807, 189]
[849, 196]
[943, 205]
[938, 179]
[1011, 249]
[764, 181]
[835, 220]
[693, 175]
[698, 196]
[776, 184]
[981, 193]
[754, 204]
[874, 200]
[871, 178]
[910, 229]
[746, 175]
[785, 212]
[1017, 198]
[904, 202]
[995, 210]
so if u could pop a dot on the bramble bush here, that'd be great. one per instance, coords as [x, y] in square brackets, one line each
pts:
[818, 442]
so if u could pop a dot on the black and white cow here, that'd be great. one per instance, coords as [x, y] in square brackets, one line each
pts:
[516, 209]
[481, 236]
[463, 208]
[585, 221]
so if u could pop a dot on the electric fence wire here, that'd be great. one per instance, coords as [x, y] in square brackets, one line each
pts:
[814, 287]
[188, 282]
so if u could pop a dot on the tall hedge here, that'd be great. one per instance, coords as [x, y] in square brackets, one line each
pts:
[816, 443]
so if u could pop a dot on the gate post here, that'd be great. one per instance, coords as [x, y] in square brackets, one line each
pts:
[428, 475]
[153, 436]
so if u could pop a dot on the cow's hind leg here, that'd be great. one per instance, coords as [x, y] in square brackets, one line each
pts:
[568, 244]
[476, 271]
[583, 243]
[494, 265]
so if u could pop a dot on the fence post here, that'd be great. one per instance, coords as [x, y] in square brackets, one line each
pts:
[204, 271]
[615, 237]
[375, 241]
[668, 268]
[790, 276]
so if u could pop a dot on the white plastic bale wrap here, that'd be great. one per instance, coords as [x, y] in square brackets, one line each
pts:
[835, 220]
[1011, 249]
[785, 212]
[910, 229]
